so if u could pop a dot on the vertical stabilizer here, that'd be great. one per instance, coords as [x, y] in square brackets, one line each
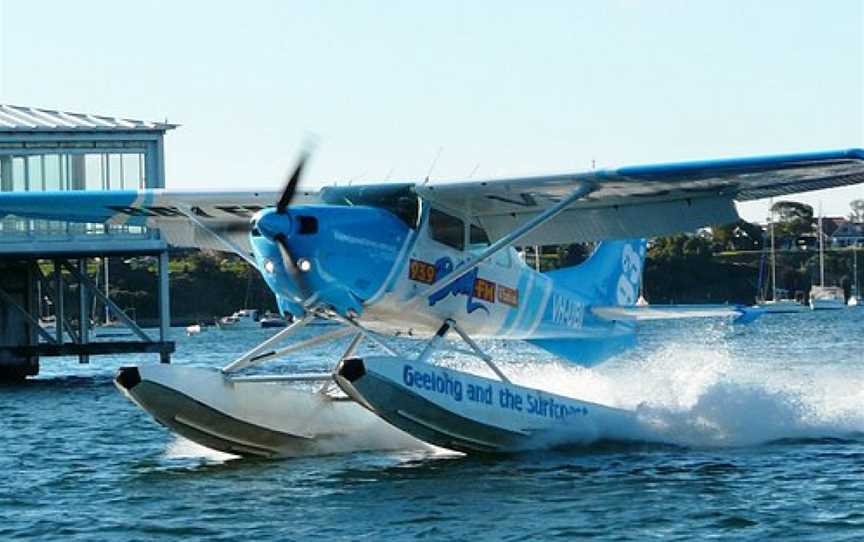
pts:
[611, 276]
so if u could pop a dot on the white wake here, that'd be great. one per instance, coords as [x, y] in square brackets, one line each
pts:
[707, 397]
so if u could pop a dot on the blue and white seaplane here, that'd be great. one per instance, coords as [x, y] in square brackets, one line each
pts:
[427, 261]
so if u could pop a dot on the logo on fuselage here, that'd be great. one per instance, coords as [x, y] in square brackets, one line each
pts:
[466, 285]
[470, 285]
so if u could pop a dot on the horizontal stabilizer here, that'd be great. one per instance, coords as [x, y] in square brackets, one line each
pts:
[741, 313]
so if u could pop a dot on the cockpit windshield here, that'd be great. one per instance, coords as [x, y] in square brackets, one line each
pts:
[399, 199]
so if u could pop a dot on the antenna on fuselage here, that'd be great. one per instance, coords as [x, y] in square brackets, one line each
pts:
[473, 171]
[432, 167]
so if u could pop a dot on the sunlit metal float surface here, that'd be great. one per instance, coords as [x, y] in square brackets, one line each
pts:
[248, 416]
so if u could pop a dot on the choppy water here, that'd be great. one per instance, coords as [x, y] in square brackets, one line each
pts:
[762, 430]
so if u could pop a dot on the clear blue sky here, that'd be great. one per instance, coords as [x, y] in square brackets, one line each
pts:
[516, 87]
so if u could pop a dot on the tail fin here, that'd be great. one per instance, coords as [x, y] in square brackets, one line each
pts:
[611, 276]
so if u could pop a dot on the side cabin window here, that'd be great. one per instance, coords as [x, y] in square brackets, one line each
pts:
[477, 238]
[446, 229]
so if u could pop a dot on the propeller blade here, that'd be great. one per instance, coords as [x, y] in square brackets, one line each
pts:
[293, 271]
[291, 184]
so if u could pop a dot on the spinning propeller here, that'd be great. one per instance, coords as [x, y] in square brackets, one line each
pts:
[285, 199]
[291, 184]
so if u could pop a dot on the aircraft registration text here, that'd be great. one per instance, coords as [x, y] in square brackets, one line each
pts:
[566, 311]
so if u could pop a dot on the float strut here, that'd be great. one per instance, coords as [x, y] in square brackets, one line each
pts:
[435, 341]
[481, 354]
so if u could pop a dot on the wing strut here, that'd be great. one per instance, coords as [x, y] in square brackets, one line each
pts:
[584, 189]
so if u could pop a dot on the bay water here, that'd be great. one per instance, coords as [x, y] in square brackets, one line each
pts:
[756, 432]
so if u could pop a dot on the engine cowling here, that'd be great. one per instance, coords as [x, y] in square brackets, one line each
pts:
[344, 253]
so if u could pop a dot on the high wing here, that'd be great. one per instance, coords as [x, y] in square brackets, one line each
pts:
[624, 203]
[226, 213]
[643, 201]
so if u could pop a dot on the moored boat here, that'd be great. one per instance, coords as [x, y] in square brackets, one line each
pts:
[780, 302]
[274, 320]
[242, 319]
[827, 298]
[781, 306]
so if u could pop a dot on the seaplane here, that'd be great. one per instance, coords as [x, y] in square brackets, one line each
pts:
[436, 263]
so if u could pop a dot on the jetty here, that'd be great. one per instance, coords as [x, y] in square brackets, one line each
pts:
[51, 264]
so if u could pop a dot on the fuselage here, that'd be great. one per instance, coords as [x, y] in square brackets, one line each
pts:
[377, 265]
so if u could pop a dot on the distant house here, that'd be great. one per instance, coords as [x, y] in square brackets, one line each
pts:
[837, 232]
[847, 234]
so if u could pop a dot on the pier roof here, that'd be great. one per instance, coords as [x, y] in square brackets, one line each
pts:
[15, 118]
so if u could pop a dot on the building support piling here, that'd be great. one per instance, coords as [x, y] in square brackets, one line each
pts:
[164, 303]
[83, 309]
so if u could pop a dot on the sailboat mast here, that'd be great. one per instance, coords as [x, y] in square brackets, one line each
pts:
[773, 258]
[821, 252]
[855, 267]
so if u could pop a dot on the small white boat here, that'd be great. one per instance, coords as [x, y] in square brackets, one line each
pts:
[827, 298]
[854, 301]
[194, 329]
[781, 306]
[242, 319]
[274, 320]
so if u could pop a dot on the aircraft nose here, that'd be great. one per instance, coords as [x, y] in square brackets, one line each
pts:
[272, 224]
